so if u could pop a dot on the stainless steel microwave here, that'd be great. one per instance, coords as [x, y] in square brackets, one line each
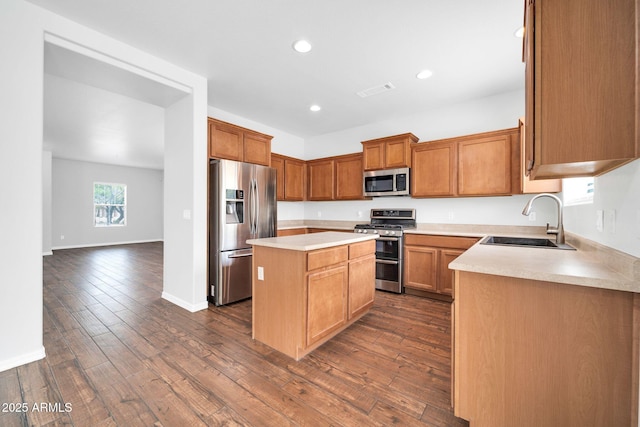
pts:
[387, 182]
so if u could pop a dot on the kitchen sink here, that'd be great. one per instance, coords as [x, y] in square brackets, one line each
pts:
[529, 242]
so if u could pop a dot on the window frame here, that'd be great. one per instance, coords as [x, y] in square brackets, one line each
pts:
[578, 191]
[108, 224]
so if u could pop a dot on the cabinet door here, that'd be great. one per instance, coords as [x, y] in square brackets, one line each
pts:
[225, 141]
[445, 279]
[397, 153]
[362, 278]
[320, 181]
[294, 180]
[326, 302]
[349, 177]
[434, 170]
[373, 155]
[421, 268]
[484, 166]
[257, 148]
[277, 162]
[584, 86]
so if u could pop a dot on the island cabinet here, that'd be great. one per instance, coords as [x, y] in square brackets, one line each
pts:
[581, 86]
[302, 298]
[388, 153]
[290, 177]
[485, 164]
[533, 353]
[231, 142]
[426, 263]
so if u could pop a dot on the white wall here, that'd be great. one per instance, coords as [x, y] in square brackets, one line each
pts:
[21, 51]
[617, 194]
[47, 164]
[22, 30]
[482, 115]
[73, 204]
[185, 171]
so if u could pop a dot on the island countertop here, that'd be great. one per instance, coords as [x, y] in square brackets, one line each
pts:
[312, 241]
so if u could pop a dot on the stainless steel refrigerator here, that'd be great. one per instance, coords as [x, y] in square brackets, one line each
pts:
[242, 205]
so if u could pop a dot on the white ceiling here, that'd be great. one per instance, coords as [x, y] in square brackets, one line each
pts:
[244, 50]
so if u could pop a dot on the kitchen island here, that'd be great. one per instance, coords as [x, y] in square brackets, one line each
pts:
[307, 288]
[546, 337]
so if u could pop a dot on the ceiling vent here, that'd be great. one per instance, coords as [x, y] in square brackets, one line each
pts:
[376, 90]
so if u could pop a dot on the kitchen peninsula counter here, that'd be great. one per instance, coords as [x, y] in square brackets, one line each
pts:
[307, 288]
[546, 328]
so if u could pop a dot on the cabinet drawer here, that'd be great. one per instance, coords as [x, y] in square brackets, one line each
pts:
[357, 250]
[326, 257]
[440, 241]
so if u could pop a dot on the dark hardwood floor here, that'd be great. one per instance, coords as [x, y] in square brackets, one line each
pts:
[119, 355]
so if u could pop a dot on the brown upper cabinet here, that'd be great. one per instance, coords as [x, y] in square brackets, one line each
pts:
[320, 179]
[349, 177]
[582, 76]
[335, 178]
[227, 141]
[290, 172]
[482, 164]
[527, 185]
[388, 153]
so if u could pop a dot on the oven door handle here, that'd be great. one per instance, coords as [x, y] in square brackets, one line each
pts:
[389, 239]
[386, 261]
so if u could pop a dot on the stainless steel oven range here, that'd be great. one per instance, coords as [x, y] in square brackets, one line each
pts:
[389, 224]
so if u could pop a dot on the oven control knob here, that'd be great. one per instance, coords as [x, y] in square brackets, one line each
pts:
[386, 232]
[375, 231]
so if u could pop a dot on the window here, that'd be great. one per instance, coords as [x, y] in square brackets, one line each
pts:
[577, 191]
[109, 204]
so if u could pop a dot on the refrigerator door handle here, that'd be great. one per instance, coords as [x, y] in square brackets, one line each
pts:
[254, 206]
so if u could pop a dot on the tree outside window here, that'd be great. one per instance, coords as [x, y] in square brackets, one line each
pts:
[109, 204]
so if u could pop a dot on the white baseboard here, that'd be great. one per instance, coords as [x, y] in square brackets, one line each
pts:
[95, 245]
[5, 365]
[184, 304]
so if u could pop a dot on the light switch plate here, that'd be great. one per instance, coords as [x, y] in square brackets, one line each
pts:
[610, 221]
[600, 220]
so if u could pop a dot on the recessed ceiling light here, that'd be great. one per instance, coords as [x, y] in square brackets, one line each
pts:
[302, 46]
[315, 108]
[424, 74]
[519, 32]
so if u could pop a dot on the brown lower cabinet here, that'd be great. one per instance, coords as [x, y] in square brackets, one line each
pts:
[307, 297]
[531, 353]
[426, 263]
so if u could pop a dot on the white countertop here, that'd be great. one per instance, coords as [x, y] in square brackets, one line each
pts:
[579, 267]
[309, 242]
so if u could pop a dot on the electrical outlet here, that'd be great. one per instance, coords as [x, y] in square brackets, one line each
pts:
[62, 237]
[532, 216]
[260, 273]
[452, 216]
[319, 214]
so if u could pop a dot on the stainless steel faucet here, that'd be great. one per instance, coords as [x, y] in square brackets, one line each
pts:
[559, 230]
